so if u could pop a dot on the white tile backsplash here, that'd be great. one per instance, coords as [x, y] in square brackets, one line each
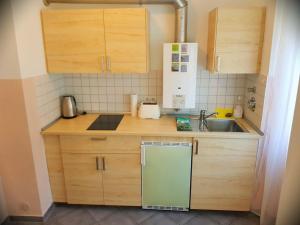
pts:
[110, 92]
[48, 92]
[258, 81]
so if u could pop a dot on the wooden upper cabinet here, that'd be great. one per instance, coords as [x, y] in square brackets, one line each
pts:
[74, 40]
[235, 40]
[126, 36]
[96, 40]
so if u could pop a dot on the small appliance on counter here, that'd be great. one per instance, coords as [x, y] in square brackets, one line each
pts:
[149, 110]
[68, 107]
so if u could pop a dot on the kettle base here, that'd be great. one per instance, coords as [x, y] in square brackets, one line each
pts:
[64, 117]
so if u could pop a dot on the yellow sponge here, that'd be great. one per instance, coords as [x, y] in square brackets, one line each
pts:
[222, 112]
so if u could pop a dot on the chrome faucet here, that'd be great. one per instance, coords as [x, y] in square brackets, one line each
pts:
[202, 119]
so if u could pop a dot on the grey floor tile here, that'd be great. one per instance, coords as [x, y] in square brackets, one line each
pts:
[23, 223]
[180, 217]
[246, 220]
[223, 217]
[104, 215]
[139, 215]
[119, 218]
[201, 220]
[101, 212]
[77, 217]
[159, 218]
[59, 211]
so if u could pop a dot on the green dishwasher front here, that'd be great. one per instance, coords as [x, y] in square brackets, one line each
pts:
[166, 173]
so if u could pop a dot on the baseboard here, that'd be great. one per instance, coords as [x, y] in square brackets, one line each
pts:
[27, 219]
[5, 221]
[34, 219]
[48, 213]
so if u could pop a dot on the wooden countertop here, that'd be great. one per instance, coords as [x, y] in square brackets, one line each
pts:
[165, 126]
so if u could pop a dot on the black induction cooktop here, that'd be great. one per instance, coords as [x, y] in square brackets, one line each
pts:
[106, 122]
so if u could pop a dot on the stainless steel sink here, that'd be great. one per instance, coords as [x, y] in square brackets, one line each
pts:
[215, 125]
[218, 125]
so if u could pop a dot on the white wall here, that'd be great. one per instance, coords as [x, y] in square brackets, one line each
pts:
[9, 65]
[28, 31]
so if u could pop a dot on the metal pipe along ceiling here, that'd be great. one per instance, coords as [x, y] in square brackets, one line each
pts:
[180, 11]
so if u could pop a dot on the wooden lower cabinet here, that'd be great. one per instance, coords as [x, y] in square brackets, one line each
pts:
[223, 174]
[103, 179]
[122, 179]
[106, 171]
[82, 179]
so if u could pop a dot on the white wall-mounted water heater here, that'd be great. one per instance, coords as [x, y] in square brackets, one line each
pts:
[179, 75]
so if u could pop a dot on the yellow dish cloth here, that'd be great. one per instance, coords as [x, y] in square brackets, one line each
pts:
[222, 113]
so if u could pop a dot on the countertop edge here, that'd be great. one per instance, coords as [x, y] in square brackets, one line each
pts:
[56, 128]
[183, 135]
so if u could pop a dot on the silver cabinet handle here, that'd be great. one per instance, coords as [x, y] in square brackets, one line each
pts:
[103, 164]
[97, 163]
[100, 164]
[196, 147]
[98, 138]
[218, 63]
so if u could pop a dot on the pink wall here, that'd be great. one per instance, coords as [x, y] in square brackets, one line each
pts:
[37, 144]
[16, 158]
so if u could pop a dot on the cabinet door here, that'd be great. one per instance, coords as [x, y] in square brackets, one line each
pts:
[223, 174]
[236, 40]
[122, 179]
[83, 177]
[74, 40]
[126, 36]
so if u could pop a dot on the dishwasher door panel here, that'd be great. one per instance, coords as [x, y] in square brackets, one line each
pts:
[166, 176]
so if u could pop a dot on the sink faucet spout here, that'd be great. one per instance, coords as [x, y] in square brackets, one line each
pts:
[203, 117]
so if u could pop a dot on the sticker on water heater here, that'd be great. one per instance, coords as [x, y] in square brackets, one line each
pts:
[175, 57]
[184, 68]
[175, 67]
[185, 58]
[175, 47]
[184, 48]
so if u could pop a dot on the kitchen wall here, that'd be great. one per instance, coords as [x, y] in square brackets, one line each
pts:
[48, 92]
[259, 82]
[28, 36]
[111, 93]
[22, 161]
[9, 62]
[3, 210]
